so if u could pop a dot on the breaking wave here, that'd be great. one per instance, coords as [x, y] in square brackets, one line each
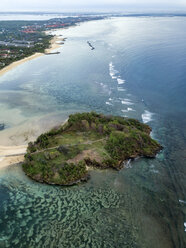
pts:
[112, 71]
[127, 102]
[147, 116]
[120, 81]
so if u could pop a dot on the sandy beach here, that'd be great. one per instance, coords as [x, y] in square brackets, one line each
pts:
[10, 155]
[14, 141]
[53, 46]
[19, 62]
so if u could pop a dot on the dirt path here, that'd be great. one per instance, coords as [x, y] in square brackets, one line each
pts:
[55, 147]
[15, 154]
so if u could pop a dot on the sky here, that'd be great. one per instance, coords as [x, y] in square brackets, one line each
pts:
[74, 5]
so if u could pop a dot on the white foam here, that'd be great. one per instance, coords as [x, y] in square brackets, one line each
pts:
[112, 71]
[185, 226]
[127, 102]
[120, 81]
[108, 103]
[121, 89]
[127, 164]
[130, 109]
[152, 135]
[127, 110]
[182, 201]
[147, 116]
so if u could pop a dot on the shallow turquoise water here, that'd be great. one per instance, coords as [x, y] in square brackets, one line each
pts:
[136, 70]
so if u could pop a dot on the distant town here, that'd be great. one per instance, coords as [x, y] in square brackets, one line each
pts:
[20, 39]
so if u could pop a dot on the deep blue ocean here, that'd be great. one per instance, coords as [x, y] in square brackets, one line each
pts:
[138, 69]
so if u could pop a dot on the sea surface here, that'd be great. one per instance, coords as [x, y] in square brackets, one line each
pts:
[137, 69]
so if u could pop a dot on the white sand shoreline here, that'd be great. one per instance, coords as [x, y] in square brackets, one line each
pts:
[53, 46]
[9, 155]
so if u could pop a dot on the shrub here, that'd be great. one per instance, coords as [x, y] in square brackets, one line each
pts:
[42, 140]
[31, 147]
[63, 149]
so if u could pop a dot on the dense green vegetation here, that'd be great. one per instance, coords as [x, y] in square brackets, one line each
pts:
[62, 155]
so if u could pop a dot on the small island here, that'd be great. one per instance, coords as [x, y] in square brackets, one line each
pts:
[64, 154]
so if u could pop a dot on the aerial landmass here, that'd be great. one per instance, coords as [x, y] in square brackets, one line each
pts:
[64, 155]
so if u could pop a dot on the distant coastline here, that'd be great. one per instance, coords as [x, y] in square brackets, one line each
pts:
[53, 46]
[37, 38]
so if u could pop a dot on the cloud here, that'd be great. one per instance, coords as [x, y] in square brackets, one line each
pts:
[59, 5]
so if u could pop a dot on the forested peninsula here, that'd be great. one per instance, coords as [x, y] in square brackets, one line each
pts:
[63, 155]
